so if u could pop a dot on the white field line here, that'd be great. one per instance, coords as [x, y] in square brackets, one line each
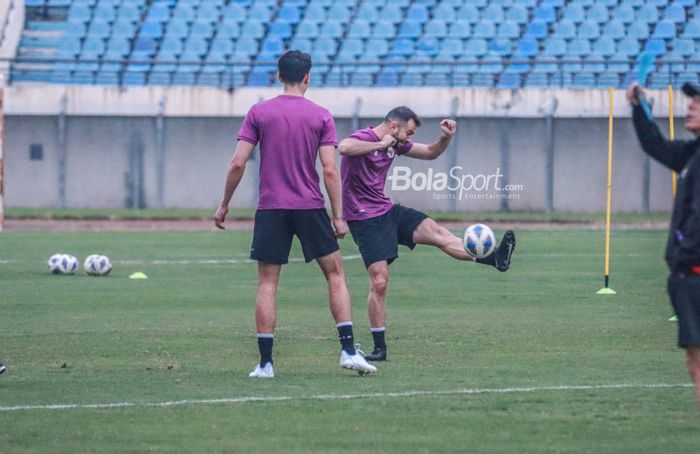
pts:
[196, 262]
[325, 397]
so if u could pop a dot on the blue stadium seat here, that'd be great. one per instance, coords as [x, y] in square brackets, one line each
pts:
[482, 80]
[418, 12]
[202, 29]
[339, 13]
[604, 46]
[152, 30]
[545, 65]
[537, 80]
[392, 13]
[260, 12]
[584, 79]
[437, 80]
[655, 46]
[235, 12]
[500, 46]
[589, 30]
[412, 79]
[664, 30]
[659, 79]
[509, 81]
[518, 13]
[158, 13]
[545, 13]
[368, 11]
[493, 12]
[648, 13]
[282, 30]
[376, 48]
[527, 47]
[484, 29]
[314, 13]
[289, 14]
[469, 13]
[444, 12]
[360, 29]
[692, 29]
[554, 47]
[509, 29]
[403, 46]
[609, 79]
[684, 77]
[598, 13]
[575, 13]
[460, 29]
[615, 29]
[352, 46]
[579, 47]
[536, 29]
[332, 29]
[564, 29]
[410, 29]
[436, 28]
[638, 29]
[253, 29]
[383, 29]
[682, 48]
[675, 13]
[475, 47]
[387, 79]
[624, 13]
[428, 47]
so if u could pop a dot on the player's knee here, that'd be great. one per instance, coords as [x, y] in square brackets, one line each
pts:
[380, 282]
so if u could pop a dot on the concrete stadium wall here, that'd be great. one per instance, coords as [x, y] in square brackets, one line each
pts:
[198, 150]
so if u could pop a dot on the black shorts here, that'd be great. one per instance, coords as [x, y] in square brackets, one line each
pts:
[684, 290]
[274, 230]
[378, 238]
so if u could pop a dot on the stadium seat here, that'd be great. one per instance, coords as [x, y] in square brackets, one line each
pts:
[510, 29]
[494, 13]
[288, 14]
[554, 47]
[584, 79]
[339, 13]
[418, 13]
[565, 29]
[500, 46]
[536, 29]
[484, 29]
[589, 30]
[675, 13]
[648, 13]
[331, 29]
[655, 46]
[638, 30]
[692, 29]
[518, 14]
[435, 28]
[537, 80]
[409, 29]
[604, 46]
[460, 29]
[609, 79]
[282, 30]
[664, 30]
[469, 13]
[574, 12]
[598, 13]
[614, 29]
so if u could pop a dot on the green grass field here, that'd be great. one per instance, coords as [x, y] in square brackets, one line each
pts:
[527, 361]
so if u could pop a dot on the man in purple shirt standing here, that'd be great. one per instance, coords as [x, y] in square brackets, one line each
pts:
[293, 132]
[378, 225]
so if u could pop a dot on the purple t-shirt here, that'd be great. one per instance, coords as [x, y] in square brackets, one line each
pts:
[364, 177]
[290, 130]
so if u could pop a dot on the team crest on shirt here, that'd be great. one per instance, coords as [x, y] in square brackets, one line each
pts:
[390, 152]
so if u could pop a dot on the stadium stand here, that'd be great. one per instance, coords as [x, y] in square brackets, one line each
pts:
[485, 43]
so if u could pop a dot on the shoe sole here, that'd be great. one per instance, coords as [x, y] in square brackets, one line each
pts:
[356, 368]
[2, 369]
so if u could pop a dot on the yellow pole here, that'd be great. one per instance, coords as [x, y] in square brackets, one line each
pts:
[672, 134]
[606, 290]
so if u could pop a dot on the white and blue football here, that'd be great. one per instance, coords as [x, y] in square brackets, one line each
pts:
[98, 265]
[479, 241]
[54, 262]
[68, 264]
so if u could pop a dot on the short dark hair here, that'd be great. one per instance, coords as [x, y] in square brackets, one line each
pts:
[402, 114]
[293, 65]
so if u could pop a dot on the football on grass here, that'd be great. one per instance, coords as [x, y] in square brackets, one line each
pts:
[97, 265]
[479, 241]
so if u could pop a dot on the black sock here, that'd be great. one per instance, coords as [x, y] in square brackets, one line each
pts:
[347, 341]
[265, 347]
[490, 260]
[378, 336]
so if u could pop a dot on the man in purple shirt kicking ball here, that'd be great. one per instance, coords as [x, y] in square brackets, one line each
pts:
[293, 132]
[378, 225]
